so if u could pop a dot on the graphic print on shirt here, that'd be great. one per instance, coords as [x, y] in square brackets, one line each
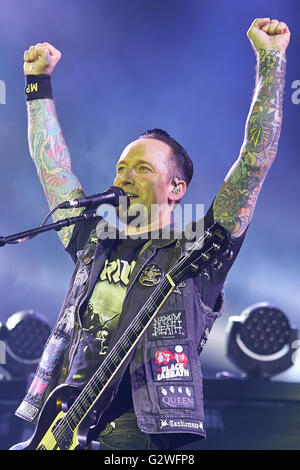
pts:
[105, 305]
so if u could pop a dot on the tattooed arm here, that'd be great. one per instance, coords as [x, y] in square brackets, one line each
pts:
[46, 142]
[52, 160]
[234, 204]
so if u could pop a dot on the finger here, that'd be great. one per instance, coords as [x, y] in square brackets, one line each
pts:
[265, 28]
[32, 54]
[52, 50]
[26, 56]
[281, 28]
[257, 25]
[260, 23]
[272, 27]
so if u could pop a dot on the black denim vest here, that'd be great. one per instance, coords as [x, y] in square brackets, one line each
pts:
[166, 377]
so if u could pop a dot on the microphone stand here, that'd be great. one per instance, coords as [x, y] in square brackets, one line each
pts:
[24, 236]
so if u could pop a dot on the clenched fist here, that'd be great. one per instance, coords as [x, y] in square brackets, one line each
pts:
[41, 59]
[269, 34]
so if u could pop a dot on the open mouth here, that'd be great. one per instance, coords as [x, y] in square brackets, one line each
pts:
[131, 195]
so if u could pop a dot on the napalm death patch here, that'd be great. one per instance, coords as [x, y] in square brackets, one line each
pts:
[168, 325]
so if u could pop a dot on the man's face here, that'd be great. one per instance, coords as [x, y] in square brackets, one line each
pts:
[144, 170]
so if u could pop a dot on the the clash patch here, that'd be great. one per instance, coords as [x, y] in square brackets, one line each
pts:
[170, 325]
[171, 364]
[176, 396]
[151, 275]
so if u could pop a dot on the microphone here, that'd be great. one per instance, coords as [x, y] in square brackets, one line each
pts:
[110, 196]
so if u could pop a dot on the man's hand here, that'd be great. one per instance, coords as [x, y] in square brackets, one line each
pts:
[41, 59]
[267, 34]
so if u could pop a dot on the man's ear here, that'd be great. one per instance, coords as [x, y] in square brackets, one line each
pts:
[177, 189]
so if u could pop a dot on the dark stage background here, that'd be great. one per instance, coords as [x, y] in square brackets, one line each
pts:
[131, 65]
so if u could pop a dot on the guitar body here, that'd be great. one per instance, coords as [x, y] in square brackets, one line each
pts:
[54, 410]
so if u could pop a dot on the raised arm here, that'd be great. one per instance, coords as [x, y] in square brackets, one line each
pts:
[47, 146]
[235, 202]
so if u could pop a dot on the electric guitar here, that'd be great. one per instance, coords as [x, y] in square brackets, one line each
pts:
[74, 413]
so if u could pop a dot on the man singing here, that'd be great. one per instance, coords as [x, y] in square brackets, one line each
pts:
[155, 401]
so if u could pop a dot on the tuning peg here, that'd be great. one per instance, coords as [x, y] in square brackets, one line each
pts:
[228, 254]
[205, 274]
[216, 246]
[205, 256]
[208, 233]
[217, 264]
[194, 267]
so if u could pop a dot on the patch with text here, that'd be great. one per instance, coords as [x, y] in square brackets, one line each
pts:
[171, 364]
[169, 325]
[179, 424]
[176, 396]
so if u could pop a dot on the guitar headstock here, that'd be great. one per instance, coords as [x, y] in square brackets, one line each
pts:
[207, 250]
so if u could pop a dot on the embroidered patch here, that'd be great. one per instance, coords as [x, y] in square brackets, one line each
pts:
[171, 364]
[37, 387]
[180, 424]
[178, 288]
[27, 411]
[170, 325]
[66, 323]
[81, 277]
[151, 275]
[176, 396]
[52, 352]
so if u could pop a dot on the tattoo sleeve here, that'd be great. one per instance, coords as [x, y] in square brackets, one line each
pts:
[52, 160]
[236, 200]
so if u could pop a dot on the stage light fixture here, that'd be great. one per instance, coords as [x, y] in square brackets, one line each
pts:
[259, 341]
[24, 335]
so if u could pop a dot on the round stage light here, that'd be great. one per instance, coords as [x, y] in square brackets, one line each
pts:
[259, 341]
[24, 335]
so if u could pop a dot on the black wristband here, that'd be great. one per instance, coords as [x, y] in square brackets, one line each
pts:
[38, 87]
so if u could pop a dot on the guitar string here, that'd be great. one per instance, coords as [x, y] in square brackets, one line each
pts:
[100, 374]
